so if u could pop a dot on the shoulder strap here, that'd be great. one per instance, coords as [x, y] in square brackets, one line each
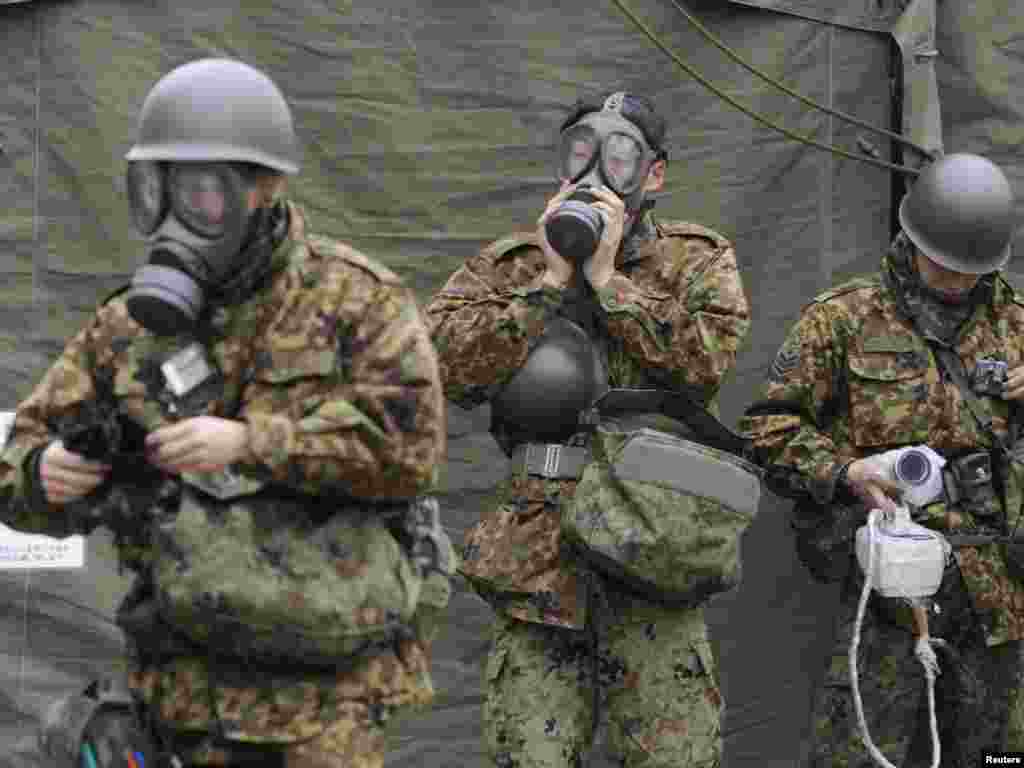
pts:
[675, 405]
[950, 362]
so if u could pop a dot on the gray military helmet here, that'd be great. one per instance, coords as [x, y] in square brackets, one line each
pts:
[561, 377]
[959, 213]
[217, 109]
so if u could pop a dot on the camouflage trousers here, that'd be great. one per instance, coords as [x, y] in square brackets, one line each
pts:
[330, 720]
[978, 691]
[656, 681]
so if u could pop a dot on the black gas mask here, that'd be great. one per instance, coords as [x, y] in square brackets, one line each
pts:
[602, 149]
[196, 222]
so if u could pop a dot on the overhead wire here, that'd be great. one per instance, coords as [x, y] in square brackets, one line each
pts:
[732, 54]
[788, 133]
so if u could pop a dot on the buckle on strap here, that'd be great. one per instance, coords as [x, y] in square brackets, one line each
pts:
[543, 459]
[550, 460]
[552, 454]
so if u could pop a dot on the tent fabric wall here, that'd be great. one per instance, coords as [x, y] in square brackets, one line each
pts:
[429, 129]
[874, 16]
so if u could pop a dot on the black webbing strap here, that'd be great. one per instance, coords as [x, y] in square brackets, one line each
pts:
[950, 362]
[676, 405]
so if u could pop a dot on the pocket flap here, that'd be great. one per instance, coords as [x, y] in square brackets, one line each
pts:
[889, 358]
[668, 461]
[289, 365]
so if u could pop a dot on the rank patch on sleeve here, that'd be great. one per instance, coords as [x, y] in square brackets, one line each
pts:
[786, 360]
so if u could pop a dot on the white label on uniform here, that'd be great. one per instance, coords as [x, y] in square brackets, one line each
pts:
[6, 425]
[28, 551]
[186, 370]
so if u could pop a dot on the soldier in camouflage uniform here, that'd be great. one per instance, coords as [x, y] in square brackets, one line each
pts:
[329, 385]
[664, 304]
[861, 373]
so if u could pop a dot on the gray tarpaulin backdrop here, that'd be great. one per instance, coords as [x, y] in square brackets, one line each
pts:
[428, 129]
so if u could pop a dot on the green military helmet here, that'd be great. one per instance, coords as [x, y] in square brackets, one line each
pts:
[561, 378]
[959, 213]
[217, 110]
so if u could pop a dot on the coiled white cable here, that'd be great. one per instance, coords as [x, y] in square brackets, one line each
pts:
[923, 651]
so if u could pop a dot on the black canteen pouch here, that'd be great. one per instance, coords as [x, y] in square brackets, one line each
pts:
[969, 481]
[825, 537]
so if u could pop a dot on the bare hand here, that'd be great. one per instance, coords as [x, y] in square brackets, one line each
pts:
[872, 487]
[1014, 389]
[559, 269]
[601, 266]
[68, 476]
[199, 444]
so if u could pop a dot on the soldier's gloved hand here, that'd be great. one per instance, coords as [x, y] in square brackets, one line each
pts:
[67, 476]
[601, 266]
[872, 486]
[559, 269]
[199, 444]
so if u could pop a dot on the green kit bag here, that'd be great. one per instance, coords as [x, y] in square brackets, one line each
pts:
[287, 578]
[662, 514]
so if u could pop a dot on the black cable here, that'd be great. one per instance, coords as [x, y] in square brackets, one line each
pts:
[715, 41]
[751, 113]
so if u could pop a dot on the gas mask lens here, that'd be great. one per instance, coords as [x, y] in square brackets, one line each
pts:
[576, 153]
[202, 197]
[146, 198]
[621, 158]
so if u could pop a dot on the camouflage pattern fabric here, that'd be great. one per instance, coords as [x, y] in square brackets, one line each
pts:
[326, 721]
[853, 379]
[331, 367]
[673, 316]
[525, 572]
[657, 681]
[285, 588]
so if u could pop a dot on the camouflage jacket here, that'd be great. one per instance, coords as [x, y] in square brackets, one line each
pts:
[854, 378]
[329, 364]
[672, 316]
